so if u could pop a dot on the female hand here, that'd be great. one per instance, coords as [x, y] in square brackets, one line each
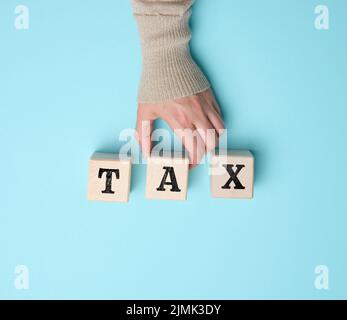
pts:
[196, 120]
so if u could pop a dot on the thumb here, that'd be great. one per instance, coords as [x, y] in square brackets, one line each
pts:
[144, 128]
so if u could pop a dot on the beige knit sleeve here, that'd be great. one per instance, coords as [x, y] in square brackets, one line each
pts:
[168, 70]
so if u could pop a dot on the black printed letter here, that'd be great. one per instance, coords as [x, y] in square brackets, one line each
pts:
[172, 183]
[108, 185]
[233, 176]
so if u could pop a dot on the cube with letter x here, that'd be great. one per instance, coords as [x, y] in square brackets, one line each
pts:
[232, 174]
[109, 178]
[167, 177]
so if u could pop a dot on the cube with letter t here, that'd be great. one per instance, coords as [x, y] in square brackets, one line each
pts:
[109, 178]
[232, 174]
[167, 177]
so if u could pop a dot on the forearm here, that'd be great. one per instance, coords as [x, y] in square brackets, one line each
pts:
[169, 71]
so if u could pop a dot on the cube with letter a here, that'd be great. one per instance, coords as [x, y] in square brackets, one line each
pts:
[232, 174]
[167, 177]
[109, 177]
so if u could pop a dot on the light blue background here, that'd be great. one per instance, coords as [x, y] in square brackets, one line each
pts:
[68, 87]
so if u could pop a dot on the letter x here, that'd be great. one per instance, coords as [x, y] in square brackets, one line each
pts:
[233, 176]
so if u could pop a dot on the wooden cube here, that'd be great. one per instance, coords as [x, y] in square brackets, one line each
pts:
[109, 178]
[167, 177]
[232, 174]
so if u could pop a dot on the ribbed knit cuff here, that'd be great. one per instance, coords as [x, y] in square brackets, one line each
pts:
[168, 70]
